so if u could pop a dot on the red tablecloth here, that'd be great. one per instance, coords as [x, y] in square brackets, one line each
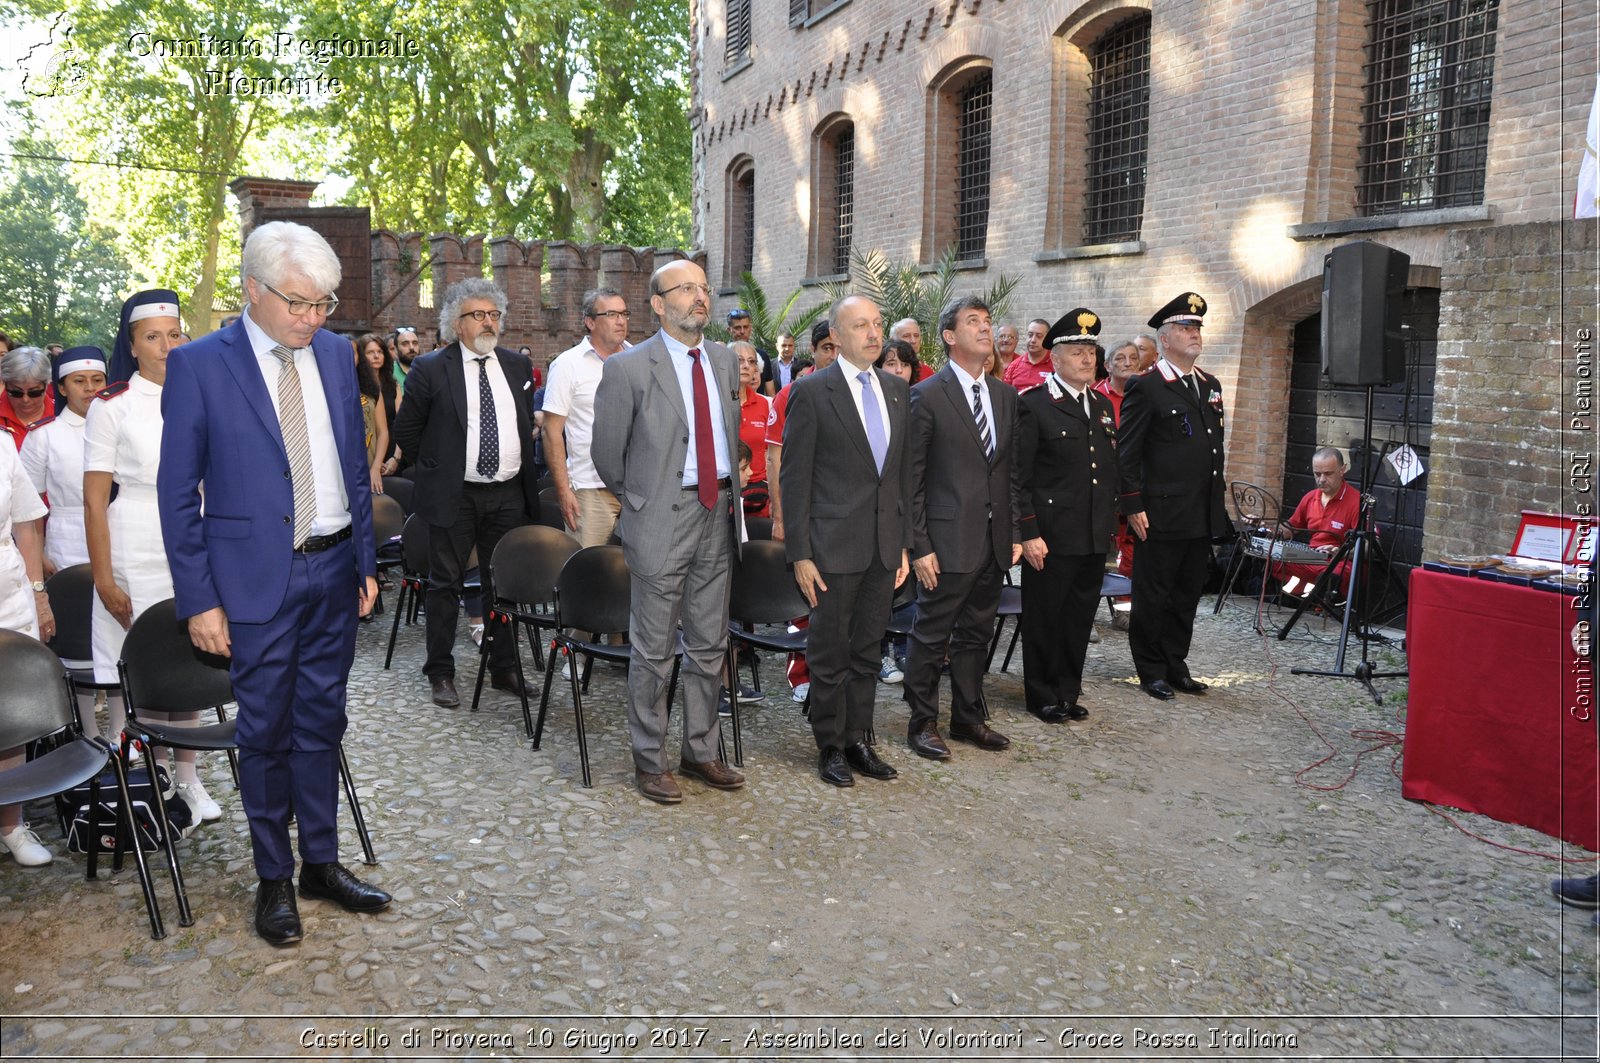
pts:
[1490, 725]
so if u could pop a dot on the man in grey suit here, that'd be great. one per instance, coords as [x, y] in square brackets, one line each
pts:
[964, 529]
[666, 417]
[844, 485]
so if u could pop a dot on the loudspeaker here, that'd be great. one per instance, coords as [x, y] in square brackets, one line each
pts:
[1362, 287]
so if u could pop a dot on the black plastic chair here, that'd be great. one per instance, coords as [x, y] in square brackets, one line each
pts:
[71, 592]
[401, 490]
[414, 536]
[550, 514]
[764, 593]
[592, 593]
[162, 671]
[38, 701]
[1010, 606]
[526, 563]
[758, 528]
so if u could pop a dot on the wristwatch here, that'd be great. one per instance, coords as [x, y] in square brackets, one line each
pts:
[38, 586]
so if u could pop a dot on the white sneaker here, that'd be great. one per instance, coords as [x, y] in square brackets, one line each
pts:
[1094, 636]
[477, 634]
[194, 795]
[566, 667]
[25, 847]
[890, 672]
[801, 692]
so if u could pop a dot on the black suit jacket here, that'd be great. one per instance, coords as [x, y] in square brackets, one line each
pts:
[431, 429]
[1169, 447]
[1067, 472]
[962, 505]
[837, 510]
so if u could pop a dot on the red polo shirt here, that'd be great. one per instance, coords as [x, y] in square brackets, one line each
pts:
[1328, 523]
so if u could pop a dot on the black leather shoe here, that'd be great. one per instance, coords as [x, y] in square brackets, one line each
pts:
[864, 759]
[510, 682]
[331, 882]
[981, 735]
[277, 917]
[833, 769]
[1187, 684]
[1158, 689]
[1050, 713]
[1075, 711]
[927, 743]
[444, 692]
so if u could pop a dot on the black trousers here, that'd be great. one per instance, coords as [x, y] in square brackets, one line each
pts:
[487, 512]
[956, 617]
[842, 643]
[1058, 607]
[1168, 576]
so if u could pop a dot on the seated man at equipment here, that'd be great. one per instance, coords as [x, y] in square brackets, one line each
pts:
[1328, 511]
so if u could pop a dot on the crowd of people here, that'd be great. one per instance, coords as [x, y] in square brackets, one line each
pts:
[234, 474]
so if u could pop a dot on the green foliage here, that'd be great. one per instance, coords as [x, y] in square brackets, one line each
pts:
[905, 289]
[64, 276]
[767, 326]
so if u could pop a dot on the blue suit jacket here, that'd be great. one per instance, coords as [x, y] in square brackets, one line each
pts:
[220, 431]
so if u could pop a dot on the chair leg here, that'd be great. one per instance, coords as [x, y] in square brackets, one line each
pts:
[588, 670]
[672, 684]
[733, 702]
[355, 808]
[1011, 647]
[994, 643]
[92, 842]
[119, 768]
[536, 642]
[583, 738]
[185, 916]
[522, 677]
[483, 660]
[394, 628]
[544, 698]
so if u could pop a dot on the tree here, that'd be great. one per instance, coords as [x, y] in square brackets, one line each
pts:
[63, 275]
[766, 326]
[160, 131]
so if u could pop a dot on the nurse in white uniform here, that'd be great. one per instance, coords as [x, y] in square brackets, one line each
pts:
[122, 443]
[52, 454]
[24, 608]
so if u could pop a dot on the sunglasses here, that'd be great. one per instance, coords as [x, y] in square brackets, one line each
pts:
[32, 393]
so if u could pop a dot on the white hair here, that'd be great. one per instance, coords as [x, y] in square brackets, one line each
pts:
[278, 248]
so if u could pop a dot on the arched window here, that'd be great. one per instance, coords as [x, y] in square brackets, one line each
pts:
[832, 196]
[1119, 132]
[739, 254]
[956, 206]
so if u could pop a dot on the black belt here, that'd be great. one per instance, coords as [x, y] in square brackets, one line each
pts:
[474, 485]
[726, 481]
[318, 543]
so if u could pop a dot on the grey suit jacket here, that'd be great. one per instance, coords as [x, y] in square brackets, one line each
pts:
[961, 503]
[837, 510]
[641, 439]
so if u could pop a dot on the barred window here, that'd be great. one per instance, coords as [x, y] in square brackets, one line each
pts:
[739, 247]
[1119, 132]
[972, 173]
[737, 48]
[844, 186]
[1425, 123]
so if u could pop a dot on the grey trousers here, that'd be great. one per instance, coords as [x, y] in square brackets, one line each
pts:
[692, 590]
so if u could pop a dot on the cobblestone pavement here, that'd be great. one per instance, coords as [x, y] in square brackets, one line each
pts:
[1154, 871]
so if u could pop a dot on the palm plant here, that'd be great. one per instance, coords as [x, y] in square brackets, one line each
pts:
[905, 289]
[766, 327]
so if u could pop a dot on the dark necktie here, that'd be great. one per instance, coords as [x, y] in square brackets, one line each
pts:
[877, 438]
[296, 444]
[488, 427]
[983, 423]
[1193, 385]
[705, 450]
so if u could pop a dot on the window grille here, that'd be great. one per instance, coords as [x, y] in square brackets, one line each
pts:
[745, 254]
[972, 173]
[1425, 123]
[844, 153]
[1119, 132]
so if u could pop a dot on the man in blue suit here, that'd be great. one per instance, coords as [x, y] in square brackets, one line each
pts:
[266, 415]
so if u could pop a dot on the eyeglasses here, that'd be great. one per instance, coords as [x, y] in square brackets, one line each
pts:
[32, 393]
[480, 316]
[297, 307]
[404, 328]
[613, 314]
[703, 289]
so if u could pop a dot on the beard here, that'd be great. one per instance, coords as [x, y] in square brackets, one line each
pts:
[482, 343]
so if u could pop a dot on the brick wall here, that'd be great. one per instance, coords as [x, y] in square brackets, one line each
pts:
[1512, 301]
[1254, 116]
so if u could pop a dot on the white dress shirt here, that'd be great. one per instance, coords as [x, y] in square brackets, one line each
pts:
[569, 390]
[505, 418]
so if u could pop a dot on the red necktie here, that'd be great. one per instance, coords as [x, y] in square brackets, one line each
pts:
[705, 451]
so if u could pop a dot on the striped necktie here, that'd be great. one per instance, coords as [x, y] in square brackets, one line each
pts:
[983, 422]
[296, 444]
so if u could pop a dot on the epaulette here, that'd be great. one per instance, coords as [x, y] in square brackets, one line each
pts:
[113, 391]
[41, 422]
